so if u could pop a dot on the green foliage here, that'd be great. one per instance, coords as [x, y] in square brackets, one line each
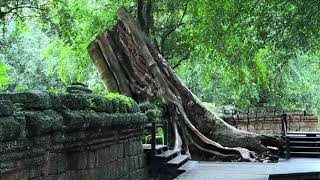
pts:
[77, 23]
[302, 82]
[210, 106]
[227, 52]
[4, 80]
[91, 104]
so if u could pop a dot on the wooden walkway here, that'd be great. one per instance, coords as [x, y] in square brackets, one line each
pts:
[249, 171]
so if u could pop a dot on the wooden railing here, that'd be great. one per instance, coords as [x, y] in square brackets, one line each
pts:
[153, 127]
[284, 123]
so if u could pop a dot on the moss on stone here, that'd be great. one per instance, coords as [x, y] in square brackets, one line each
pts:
[125, 102]
[10, 128]
[29, 99]
[119, 97]
[66, 111]
[91, 119]
[71, 118]
[6, 108]
[99, 104]
[38, 122]
[74, 101]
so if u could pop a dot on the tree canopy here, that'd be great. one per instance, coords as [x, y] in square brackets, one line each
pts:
[237, 52]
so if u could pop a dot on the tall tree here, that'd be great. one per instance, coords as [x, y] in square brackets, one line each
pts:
[138, 70]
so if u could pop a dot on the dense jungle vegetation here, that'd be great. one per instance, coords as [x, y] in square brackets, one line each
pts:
[240, 52]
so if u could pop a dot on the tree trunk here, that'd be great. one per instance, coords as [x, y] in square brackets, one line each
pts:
[144, 15]
[138, 70]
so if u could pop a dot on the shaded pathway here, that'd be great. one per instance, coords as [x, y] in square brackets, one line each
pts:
[249, 171]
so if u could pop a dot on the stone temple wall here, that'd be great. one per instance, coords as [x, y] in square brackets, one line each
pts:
[267, 120]
[45, 136]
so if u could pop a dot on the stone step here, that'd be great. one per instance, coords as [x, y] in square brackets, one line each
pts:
[305, 154]
[305, 143]
[159, 147]
[304, 149]
[308, 134]
[188, 165]
[303, 138]
[178, 161]
[167, 155]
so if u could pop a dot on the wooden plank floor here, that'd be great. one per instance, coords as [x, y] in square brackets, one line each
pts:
[249, 171]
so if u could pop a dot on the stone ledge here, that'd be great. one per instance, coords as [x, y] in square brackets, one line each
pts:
[40, 100]
[70, 137]
[35, 112]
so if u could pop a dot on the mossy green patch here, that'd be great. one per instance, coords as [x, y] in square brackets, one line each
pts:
[122, 103]
[118, 97]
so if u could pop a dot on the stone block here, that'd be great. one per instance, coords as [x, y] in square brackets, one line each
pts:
[10, 128]
[120, 168]
[30, 99]
[267, 126]
[250, 128]
[112, 168]
[140, 164]
[115, 105]
[138, 174]
[120, 153]
[69, 142]
[312, 124]
[102, 157]
[126, 165]
[56, 163]
[136, 160]
[123, 107]
[75, 101]
[104, 172]
[113, 152]
[55, 101]
[73, 119]
[38, 122]
[97, 104]
[127, 149]
[55, 177]
[6, 108]
[131, 163]
[77, 160]
[92, 161]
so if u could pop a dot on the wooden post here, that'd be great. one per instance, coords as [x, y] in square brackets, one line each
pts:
[284, 134]
[165, 132]
[284, 124]
[153, 138]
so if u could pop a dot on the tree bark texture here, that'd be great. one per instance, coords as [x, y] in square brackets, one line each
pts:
[128, 63]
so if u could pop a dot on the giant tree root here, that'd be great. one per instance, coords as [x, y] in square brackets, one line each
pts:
[129, 64]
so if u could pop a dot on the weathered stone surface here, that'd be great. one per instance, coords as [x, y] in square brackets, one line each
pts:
[10, 128]
[100, 105]
[30, 99]
[41, 122]
[75, 101]
[78, 88]
[69, 137]
[6, 108]
[267, 120]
